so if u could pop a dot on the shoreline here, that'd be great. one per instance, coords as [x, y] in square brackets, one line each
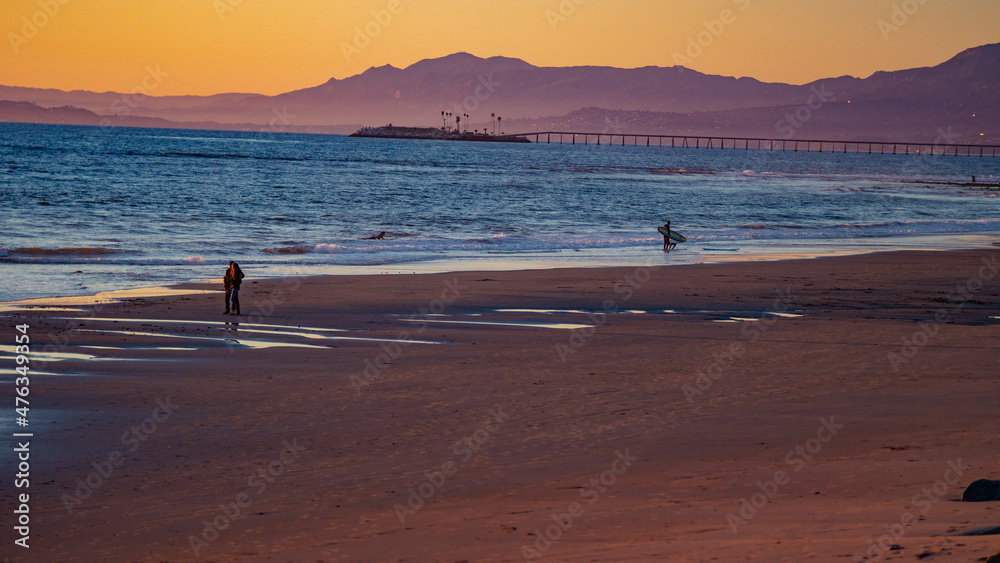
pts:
[496, 397]
[595, 258]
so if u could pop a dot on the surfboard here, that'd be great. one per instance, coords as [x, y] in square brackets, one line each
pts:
[720, 249]
[672, 234]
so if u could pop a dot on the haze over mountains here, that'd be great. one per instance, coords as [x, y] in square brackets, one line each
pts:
[954, 102]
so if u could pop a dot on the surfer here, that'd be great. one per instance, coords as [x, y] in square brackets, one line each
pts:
[667, 243]
[380, 236]
[232, 280]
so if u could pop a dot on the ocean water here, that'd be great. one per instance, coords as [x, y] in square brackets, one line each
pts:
[87, 209]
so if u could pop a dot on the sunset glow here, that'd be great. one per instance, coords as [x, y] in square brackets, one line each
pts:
[265, 46]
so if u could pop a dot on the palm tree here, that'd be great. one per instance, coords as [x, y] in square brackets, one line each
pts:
[443, 122]
[466, 122]
[500, 122]
[493, 116]
[458, 123]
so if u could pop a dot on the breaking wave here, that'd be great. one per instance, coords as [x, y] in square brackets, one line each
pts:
[30, 251]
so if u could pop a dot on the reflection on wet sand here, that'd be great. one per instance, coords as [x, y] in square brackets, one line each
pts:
[257, 344]
[39, 354]
[532, 324]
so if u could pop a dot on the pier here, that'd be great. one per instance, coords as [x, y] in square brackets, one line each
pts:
[754, 143]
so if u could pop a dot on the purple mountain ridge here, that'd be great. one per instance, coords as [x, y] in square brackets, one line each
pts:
[955, 101]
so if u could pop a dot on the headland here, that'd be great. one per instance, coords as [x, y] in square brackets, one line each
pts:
[438, 134]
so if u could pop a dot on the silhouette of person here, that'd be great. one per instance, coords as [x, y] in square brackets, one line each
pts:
[667, 243]
[232, 280]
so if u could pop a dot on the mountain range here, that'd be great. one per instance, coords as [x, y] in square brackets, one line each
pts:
[956, 101]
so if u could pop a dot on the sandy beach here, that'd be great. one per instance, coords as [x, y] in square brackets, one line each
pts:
[830, 410]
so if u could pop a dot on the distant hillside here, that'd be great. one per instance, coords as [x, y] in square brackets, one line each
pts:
[857, 121]
[27, 112]
[958, 97]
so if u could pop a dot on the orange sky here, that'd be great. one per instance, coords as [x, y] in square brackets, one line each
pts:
[273, 46]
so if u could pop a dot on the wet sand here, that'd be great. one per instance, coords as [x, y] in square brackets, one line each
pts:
[823, 409]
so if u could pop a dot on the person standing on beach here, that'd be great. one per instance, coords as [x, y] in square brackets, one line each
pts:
[228, 284]
[231, 281]
[667, 243]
